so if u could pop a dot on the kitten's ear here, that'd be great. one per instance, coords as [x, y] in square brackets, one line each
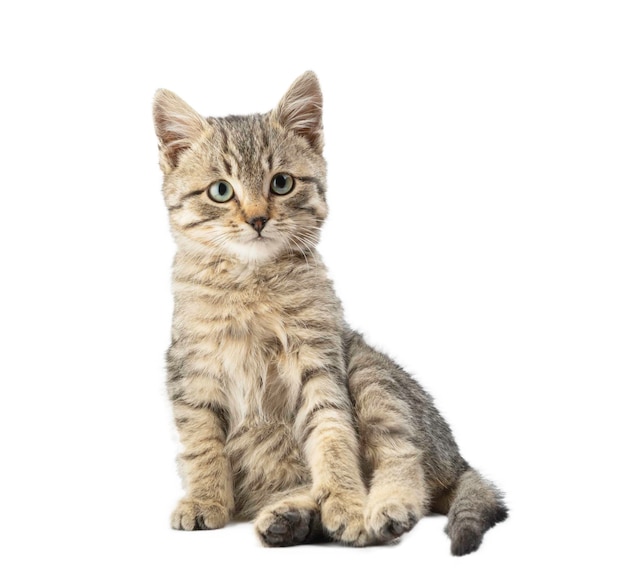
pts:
[300, 109]
[177, 126]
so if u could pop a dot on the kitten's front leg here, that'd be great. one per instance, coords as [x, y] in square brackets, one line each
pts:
[204, 465]
[325, 426]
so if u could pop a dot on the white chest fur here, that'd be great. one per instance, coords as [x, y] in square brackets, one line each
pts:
[245, 350]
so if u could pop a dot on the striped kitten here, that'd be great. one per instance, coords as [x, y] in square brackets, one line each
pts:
[287, 416]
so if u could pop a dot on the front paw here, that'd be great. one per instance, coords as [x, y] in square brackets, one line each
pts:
[192, 514]
[342, 518]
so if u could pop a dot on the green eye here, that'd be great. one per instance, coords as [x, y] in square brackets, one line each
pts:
[282, 184]
[221, 191]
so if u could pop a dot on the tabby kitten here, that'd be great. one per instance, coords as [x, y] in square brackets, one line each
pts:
[287, 416]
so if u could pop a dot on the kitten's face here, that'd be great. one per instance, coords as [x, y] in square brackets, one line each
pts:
[252, 186]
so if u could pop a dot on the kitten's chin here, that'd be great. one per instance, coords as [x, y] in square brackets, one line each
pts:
[256, 250]
[253, 251]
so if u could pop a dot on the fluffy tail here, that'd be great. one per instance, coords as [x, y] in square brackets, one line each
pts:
[476, 506]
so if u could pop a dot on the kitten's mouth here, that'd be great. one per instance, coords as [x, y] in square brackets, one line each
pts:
[259, 239]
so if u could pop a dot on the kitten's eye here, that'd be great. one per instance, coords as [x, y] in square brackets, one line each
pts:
[282, 184]
[221, 191]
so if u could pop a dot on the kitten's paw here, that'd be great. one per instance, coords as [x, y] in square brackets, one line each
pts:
[288, 526]
[196, 515]
[342, 518]
[387, 520]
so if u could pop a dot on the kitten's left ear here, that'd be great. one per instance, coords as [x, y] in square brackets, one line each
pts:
[177, 126]
[300, 110]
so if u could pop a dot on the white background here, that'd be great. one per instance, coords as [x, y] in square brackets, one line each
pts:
[477, 188]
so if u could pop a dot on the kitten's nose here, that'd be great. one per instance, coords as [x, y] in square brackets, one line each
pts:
[257, 223]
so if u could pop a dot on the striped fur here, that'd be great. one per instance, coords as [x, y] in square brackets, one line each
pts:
[286, 415]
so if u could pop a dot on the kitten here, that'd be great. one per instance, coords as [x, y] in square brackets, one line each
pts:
[287, 416]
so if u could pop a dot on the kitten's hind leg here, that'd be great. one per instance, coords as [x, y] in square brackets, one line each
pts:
[397, 497]
[294, 519]
[398, 494]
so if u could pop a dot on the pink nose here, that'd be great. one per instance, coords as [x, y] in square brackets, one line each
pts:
[258, 223]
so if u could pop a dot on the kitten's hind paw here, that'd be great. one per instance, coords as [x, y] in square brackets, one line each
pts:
[288, 528]
[388, 521]
[195, 515]
[291, 522]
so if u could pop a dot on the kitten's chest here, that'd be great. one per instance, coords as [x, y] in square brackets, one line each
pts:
[251, 351]
[249, 334]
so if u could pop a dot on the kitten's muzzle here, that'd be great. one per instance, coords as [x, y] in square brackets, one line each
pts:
[258, 223]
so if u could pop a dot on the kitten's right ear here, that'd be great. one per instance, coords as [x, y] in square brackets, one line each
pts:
[177, 126]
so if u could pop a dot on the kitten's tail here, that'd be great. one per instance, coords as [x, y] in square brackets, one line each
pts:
[476, 506]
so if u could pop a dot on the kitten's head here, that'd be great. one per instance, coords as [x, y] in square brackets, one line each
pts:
[248, 186]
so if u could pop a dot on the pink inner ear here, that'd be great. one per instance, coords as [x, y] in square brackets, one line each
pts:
[300, 110]
[177, 124]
